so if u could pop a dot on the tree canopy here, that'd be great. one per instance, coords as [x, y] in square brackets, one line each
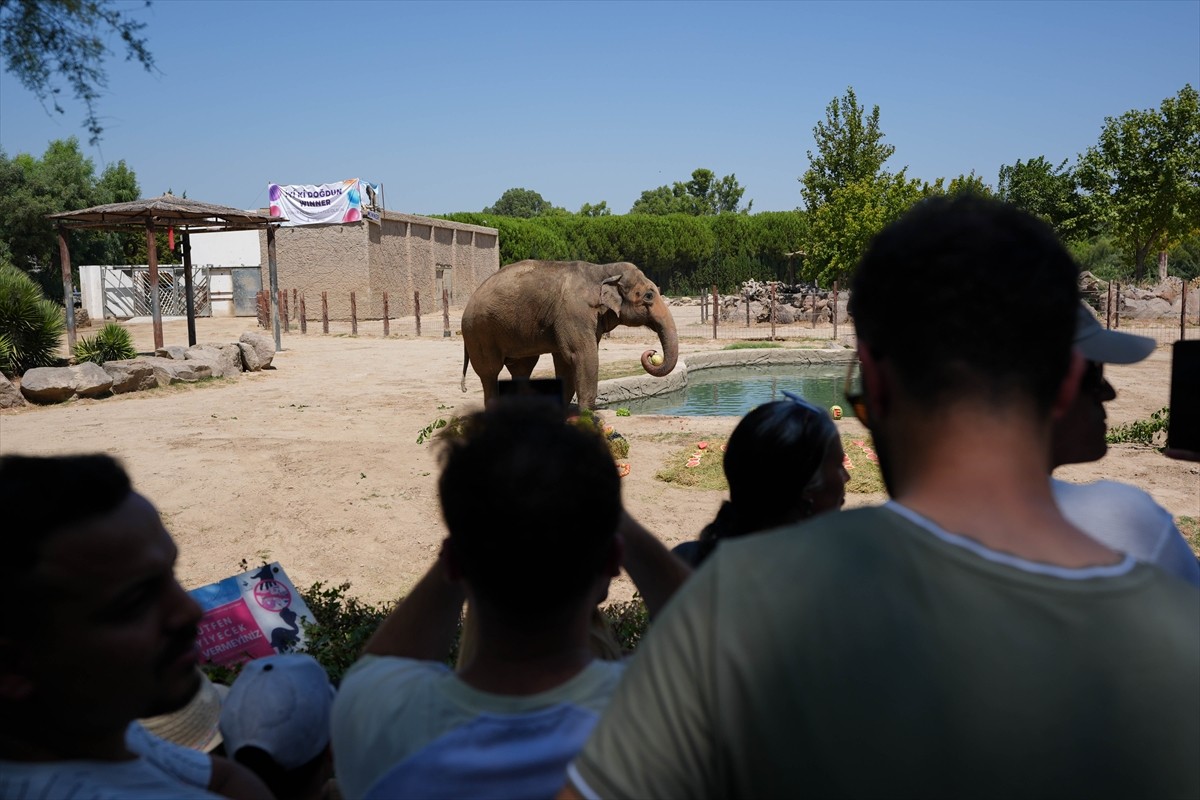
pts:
[1044, 190]
[45, 41]
[703, 195]
[524, 203]
[1142, 178]
[850, 150]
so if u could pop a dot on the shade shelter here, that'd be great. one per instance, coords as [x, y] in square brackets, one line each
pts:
[167, 211]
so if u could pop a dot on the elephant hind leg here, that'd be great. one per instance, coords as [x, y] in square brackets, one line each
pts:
[521, 367]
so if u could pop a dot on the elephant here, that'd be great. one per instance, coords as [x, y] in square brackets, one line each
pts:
[562, 308]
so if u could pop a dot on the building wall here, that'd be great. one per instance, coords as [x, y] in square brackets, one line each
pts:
[400, 255]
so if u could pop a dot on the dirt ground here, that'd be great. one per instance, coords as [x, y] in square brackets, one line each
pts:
[314, 463]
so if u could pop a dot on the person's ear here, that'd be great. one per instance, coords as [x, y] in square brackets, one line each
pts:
[876, 384]
[1068, 390]
[15, 683]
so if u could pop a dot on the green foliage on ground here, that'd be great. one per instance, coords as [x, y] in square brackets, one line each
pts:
[31, 327]
[1142, 431]
[1190, 528]
[111, 343]
[628, 622]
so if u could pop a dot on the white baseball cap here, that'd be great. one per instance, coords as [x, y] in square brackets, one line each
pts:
[280, 704]
[1109, 347]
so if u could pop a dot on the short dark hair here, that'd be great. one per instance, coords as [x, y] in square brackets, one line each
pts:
[90, 485]
[969, 296]
[532, 504]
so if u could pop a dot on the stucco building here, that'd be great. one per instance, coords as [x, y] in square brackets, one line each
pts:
[401, 254]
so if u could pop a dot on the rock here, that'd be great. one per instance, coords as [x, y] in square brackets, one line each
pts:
[264, 347]
[91, 380]
[48, 384]
[225, 360]
[172, 351]
[82, 318]
[133, 375]
[250, 362]
[10, 396]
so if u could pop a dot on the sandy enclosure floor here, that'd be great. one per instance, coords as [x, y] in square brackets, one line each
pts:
[314, 463]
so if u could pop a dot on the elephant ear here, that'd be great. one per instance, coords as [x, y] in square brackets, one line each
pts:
[610, 297]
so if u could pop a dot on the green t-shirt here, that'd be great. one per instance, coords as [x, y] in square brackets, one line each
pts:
[865, 654]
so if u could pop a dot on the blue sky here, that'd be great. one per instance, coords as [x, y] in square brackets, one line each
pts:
[449, 104]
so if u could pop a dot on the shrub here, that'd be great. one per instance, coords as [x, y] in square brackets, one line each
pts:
[628, 622]
[112, 343]
[1141, 431]
[31, 326]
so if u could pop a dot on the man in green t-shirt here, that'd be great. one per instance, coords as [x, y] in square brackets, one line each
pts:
[962, 640]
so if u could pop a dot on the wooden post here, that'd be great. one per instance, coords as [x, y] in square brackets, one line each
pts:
[703, 309]
[273, 277]
[833, 309]
[303, 315]
[814, 302]
[353, 316]
[1183, 284]
[747, 296]
[64, 261]
[295, 307]
[445, 313]
[155, 304]
[284, 311]
[387, 323]
[280, 308]
[1117, 310]
[263, 307]
[772, 311]
[187, 287]
[417, 310]
[324, 312]
[1108, 307]
[716, 312]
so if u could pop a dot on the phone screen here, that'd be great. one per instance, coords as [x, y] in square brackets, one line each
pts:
[1183, 432]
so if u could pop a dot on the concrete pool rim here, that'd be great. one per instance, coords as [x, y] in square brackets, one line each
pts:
[611, 393]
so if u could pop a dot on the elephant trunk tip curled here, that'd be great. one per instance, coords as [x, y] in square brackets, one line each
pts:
[661, 369]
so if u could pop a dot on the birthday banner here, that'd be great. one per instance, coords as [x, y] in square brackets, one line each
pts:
[317, 204]
[255, 614]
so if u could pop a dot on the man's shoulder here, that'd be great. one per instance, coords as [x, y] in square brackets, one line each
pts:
[135, 779]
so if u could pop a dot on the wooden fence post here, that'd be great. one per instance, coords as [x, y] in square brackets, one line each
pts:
[303, 315]
[287, 313]
[716, 311]
[703, 309]
[325, 312]
[263, 307]
[833, 309]
[1108, 307]
[772, 311]
[1183, 284]
[281, 308]
[353, 316]
[387, 323]
[417, 310]
[814, 302]
[747, 296]
[295, 307]
[1117, 310]
[445, 313]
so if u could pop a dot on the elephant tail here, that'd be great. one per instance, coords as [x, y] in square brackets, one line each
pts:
[466, 361]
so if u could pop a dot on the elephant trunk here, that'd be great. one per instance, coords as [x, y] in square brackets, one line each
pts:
[664, 325]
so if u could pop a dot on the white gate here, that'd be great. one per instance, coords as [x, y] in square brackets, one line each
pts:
[126, 291]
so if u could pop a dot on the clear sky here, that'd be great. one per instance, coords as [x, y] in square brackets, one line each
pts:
[449, 104]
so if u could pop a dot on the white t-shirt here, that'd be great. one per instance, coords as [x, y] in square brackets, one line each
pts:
[161, 770]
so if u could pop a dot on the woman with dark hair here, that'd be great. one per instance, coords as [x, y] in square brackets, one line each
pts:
[784, 464]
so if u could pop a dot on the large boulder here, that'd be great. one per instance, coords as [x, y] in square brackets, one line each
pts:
[10, 396]
[48, 384]
[263, 346]
[134, 375]
[176, 352]
[91, 380]
[225, 360]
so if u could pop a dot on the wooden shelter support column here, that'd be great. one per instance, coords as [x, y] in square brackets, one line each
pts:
[155, 303]
[64, 260]
[187, 287]
[273, 277]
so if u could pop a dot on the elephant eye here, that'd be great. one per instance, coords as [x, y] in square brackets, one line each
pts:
[649, 295]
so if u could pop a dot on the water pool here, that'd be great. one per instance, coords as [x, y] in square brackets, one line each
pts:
[733, 391]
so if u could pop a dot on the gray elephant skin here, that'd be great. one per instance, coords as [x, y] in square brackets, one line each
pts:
[529, 308]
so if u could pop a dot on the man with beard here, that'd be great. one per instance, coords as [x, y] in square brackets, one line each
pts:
[96, 632]
[963, 640]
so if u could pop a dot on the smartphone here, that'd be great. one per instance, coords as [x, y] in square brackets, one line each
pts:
[548, 388]
[1183, 432]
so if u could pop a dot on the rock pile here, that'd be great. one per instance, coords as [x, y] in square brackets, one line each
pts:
[251, 353]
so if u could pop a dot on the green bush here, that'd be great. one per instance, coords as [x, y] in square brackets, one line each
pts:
[112, 343]
[31, 327]
[1141, 431]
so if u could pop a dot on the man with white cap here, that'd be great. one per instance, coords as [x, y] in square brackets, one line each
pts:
[1119, 515]
[276, 722]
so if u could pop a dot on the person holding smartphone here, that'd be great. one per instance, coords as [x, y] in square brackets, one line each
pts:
[1119, 515]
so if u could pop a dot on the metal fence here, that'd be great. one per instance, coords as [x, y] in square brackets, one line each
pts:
[127, 291]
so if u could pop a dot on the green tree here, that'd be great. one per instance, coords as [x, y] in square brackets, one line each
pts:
[969, 184]
[44, 38]
[524, 203]
[850, 150]
[601, 209]
[842, 226]
[1044, 190]
[1142, 178]
[703, 195]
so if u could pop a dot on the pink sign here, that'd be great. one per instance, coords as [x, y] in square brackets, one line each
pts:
[229, 634]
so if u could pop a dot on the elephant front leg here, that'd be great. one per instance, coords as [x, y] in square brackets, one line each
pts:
[564, 370]
[586, 368]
